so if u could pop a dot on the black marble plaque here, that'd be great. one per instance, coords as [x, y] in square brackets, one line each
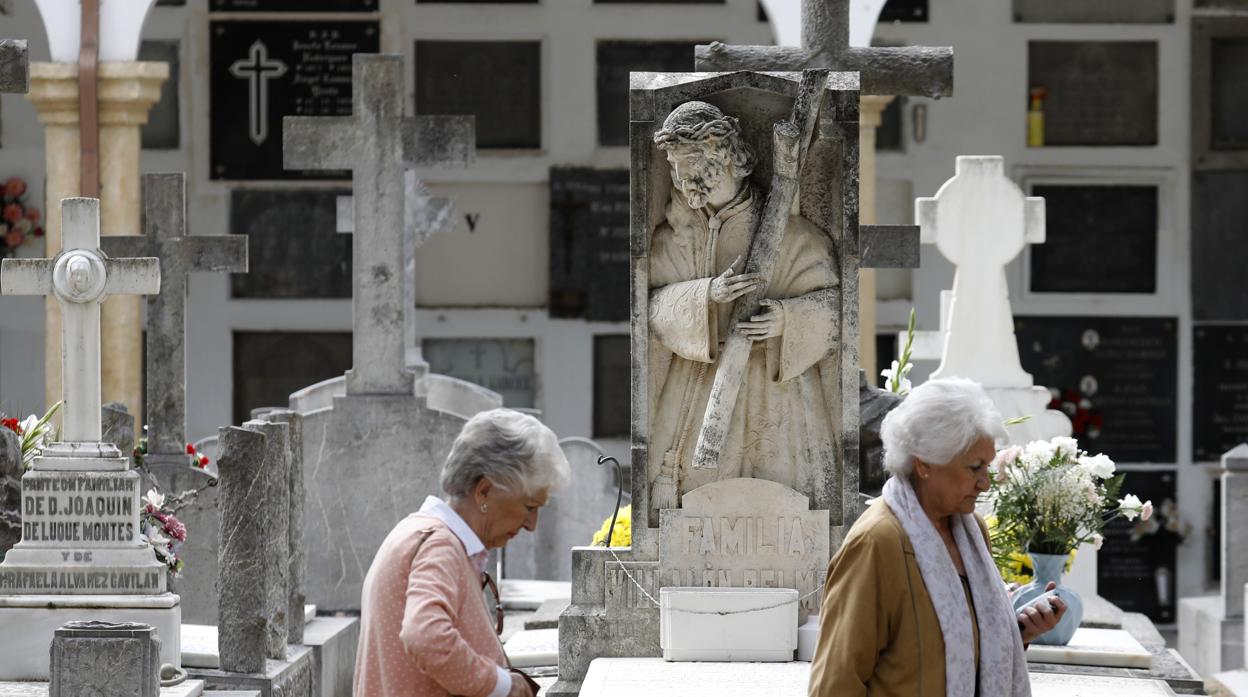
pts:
[294, 6]
[499, 82]
[1100, 239]
[615, 60]
[1229, 93]
[612, 386]
[1098, 92]
[1219, 245]
[261, 71]
[293, 247]
[589, 252]
[1094, 11]
[904, 11]
[888, 136]
[1220, 400]
[507, 366]
[1116, 377]
[269, 366]
[162, 132]
[1135, 568]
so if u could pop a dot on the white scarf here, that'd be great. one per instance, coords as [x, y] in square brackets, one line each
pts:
[1002, 666]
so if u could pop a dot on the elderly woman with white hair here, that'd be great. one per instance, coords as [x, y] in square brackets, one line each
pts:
[913, 604]
[425, 628]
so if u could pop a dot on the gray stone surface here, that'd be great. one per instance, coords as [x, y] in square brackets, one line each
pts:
[1208, 639]
[252, 557]
[105, 659]
[297, 553]
[291, 676]
[547, 614]
[377, 143]
[333, 641]
[117, 427]
[910, 70]
[873, 405]
[1234, 529]
[10, 490]
[197, 585]
[890, 246]
[164, 203]
[14, 66]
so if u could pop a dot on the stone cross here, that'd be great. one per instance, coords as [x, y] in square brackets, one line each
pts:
[909, 70]
[164, 200]
[80, 277]
[14, 66]
[378, 144]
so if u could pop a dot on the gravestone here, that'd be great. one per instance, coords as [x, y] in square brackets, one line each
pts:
[1136, 566]
[980, 220]
[611, 385]
[1102, 12]
[589, 243]
[1115, 377]
[180, 254]
[14, 67]
[81, 554]
[615, 60]
[268, 366]
[374, 442]
[163, 128]
[1220, 393]
[117, 427]
[721, 526]
[105, 659]
[1219, 86]
[1099, 239]
[505, 366]
[262, 71]
[499, 83]
[335, 6]
[1219, 215]
[11, 470]
[1099, 93]
[1211, 627]
[292, 247]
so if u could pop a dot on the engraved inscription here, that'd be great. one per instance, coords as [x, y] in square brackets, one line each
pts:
[71, 508]
[59, 580]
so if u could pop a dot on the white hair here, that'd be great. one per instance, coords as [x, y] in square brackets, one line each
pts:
[938, 421]
[515, 451]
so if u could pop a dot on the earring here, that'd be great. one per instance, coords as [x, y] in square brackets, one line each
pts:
[483, 507]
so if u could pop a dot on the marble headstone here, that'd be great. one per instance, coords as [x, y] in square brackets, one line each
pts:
[105, 659]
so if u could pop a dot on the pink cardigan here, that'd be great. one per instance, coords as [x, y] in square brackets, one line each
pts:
[424, 628]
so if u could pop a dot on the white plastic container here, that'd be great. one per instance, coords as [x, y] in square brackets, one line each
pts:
[692, 628]
[807, 638]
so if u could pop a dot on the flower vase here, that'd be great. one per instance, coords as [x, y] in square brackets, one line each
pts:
[1049, 567]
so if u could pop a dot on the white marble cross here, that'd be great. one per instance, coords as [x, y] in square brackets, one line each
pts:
[14, 66]
[378, 144]
[164, 199]
[80, 277]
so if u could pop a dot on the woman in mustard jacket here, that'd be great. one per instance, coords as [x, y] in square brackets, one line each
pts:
[913, 605]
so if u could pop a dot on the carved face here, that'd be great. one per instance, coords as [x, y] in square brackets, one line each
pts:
[703, 172]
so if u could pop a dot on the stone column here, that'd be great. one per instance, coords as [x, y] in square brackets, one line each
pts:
[870, 109]
[127, 91]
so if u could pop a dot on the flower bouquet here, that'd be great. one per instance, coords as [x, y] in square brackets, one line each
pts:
[18, 222]
[163, 531]
[622, 535]
[34, 431]
[1048, 498]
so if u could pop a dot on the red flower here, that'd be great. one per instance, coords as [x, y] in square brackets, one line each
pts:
[203, 461]
[14, 187]
[12, 424]
[174, 528]
[190, 449]
[14, 238]
[13, 212]
[38, 232]
[32, 214]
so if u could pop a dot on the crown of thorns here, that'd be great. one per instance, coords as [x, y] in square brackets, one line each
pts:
[690, 125]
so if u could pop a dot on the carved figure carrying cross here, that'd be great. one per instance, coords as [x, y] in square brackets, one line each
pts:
[14, 66]
[164, 202]
[378, 144]
[80, 277]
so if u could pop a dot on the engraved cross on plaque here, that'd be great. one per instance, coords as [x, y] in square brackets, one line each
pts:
[378, 144]
[80, 277]
[257, 70]
[14, 66]
[180, 254]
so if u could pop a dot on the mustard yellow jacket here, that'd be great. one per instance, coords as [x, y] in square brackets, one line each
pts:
[878, 632]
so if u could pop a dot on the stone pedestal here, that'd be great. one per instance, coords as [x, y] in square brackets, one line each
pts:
[127, 91]
[870, 109]
[131, 651]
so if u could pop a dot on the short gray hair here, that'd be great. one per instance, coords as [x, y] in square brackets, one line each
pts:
[514, 450]
[936, 422]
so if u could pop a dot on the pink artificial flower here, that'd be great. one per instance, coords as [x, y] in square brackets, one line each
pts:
[14, 187]
[1002, 462]
[1147, 511]
[32, 214]
[13, 212]
[175, 529]
[1097, 540]
[14, 238]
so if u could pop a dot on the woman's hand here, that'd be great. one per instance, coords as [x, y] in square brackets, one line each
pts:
[1041, 616]
[519, 688]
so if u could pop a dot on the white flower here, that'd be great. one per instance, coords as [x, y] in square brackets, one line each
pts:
[898, 374]
[1099, 465]
[1097, 540]
[1038, 454]
[1130, 506]
[1147, 511]
[155, 499]
[1067, 447]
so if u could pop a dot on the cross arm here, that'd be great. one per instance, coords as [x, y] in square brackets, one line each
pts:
[219, 253]
[125, 246]
[894, 70]
[136, 276]
[14, 66]
[318, 142]
[26, 277]
[889, 246]
[439, 141]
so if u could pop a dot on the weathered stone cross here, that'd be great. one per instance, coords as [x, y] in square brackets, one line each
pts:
[14, 66]
[164, 202]
[80, 277]
[378, 144]
[423, 217]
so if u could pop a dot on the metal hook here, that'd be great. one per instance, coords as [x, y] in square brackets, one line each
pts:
[619, 495]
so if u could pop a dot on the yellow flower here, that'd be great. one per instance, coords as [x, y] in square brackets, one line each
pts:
[622, 536]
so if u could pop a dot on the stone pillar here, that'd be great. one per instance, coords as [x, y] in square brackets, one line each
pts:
[127, 91]
[870, 109]
[1235, 531]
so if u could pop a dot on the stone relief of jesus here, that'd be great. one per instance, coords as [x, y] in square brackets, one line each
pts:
[782, 426]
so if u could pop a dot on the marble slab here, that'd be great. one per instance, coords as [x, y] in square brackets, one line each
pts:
[1094, 647]
[533, 647]
[199, 646]
[309, 613]
[521, 594]
[189, 688]
[1059, 685]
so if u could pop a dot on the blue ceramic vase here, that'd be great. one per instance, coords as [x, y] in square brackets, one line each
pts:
[1048, 567]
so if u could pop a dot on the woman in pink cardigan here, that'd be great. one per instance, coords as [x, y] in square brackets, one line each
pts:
[425, 630]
